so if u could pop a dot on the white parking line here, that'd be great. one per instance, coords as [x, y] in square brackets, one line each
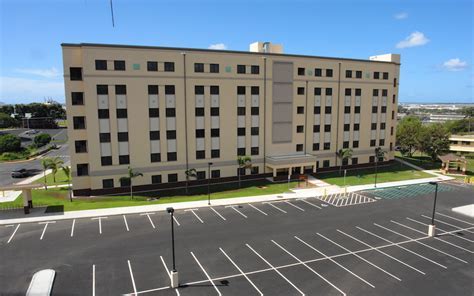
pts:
[125, 221]
[271, 204]
[402, 247]
[207, 275]
[276, 270]
[443, 231]
[218, 214]
[258, 209]
[168, 272]
[11, 237]
[240, 270]
[192, 211]
[310, 203]
[45, 226]
[176, 220]
[418, 242]
[382, 252]
[100, 223]
[468, 223]
[149, 218]
[334, 261]
[295, 206]
[72, 227]
[133, 280]
[360, 257]
[234, 207]
[449, 224]
[93, 279]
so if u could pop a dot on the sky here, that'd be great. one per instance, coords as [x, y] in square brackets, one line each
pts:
[434, 37]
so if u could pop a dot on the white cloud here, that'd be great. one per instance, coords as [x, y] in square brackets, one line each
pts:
[46, 73]
[19, 90]
[415, 39]
[219, 46]
[401, 16]
[454, 65]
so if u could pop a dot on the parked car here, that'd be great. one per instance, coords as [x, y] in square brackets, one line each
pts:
[31, 132]
[21, 173]
[398, 148]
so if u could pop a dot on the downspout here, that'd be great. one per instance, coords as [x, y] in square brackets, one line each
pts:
[185, 111]
[264, 112]
[306, 117]
[338, 103]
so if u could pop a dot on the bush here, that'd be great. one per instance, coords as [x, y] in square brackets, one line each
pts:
[7, 121]
[9, 143]
[41, 140]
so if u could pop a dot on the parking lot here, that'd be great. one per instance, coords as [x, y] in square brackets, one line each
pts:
[297, 247]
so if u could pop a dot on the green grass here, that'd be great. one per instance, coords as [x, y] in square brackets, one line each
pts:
[420, 159]
[59, 196]
[60, 179]
[389, 173]
[23, 154]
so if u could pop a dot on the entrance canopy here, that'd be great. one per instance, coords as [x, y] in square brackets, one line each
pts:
[291, 162]
[452, 162]
[26, 191]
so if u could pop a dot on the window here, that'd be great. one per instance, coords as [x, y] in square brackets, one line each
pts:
[345, 144]
[169, 66]
[300, 90]
[122, 136]
[199, 112]
[214, 90]
[371, 158]
[156, 179]
[215, 153]
[155, 157]
[101, 64]
[240, 111]
[254, 131]
[255, 69]
[241, 90]
[254, 170]
[241, 171]
[345, 161]
[81, 146]
[384, 92]
[199, 89]
[200, 133]
[326, 163]
[316, 128]
[384, 109]
[315, 146]
[374, 109]
[104, 137]
[82, 169]
[327, 128]
[255, 90]
[172, 177]
[102, 89]
[317, 110]
[347, 109]
[254, 110]
[153, 112]
[372, 143]
[358, 74]
[299, 147]
[121, 113]
[215, 111]
[347, 127]
[317, 91]
[120, 89]
[382, 142]
[393, 99]
[241, 131]
[215, 132]
[348, 74]
[103, 113]
[299, 129]
[348, 91]
[375, 93]
[77, 98]
[318, 72]
[106, 160]
[301, 71]
[169, 90]
[393, 114]
[108, 183]
[214, 68]
[152, 66]
[357, 109]
[328, 91]
[358, 92]
[327, 109]
[215, 174]
[355, 160]
[385, 75]
[201, 175]
[79, 122]
[124, 159]
[355, 144]
[152, 89]
[373, 126]
[119, 65]
[154, 135]
[199, 67]
[394, 82]
[327, 146]
[240, 69]
[356, 126]
[201, 154]
[382, 125]
[328, 72]
[170, 112]
[75, 73]
[376, 75]
[300, 110]
[240, 151]
[171, 135]
[172, 156]
[391, 131]
[254, 151]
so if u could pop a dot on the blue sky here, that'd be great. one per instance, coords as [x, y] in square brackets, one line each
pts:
[434, 37]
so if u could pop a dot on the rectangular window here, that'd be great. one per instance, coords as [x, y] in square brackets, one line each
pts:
[318, 72]
[358, 74]
[153, 112]
[254, 131]
[122, 113]
[317, 91]
[299, 147]
[172, 177]
[393, 99]
[358, 92]
[316, 128]
[300, 110]
[327, 110]
[107, 183]
[77, 98]
[241, 69]
[357, 109]
[348, 73]
[124, 159]
[385, 76]
[240, 111]
[152, 66]
[171, 135]
[241, 131]
[300, 90]
[382, 125]
[152, 89]
[104, 137]
[214, 68]
[122, 136]
[382, 142]
[300, 71]
[169, 66]
[198, 67]
[374, 109]
[254, 170]
[199, 112]
[255, 90]
[371, 158]
[347, 127]
[120, 89]
[255, 69]
[170, 112]
[75, 73]
[328, 91]
[317, 110]
[356, 126]
[214, 89]
[154, 135]
[394, 82]
[240, 151]
[254, 110]
[103, 113]
[102, 89]
[156, 179]
[315, 146]
[328, 72]
[393, 114]
[215, 132]
[391, 131]
[200, 133]
[201, 175]
[215, 111]
[373, 126]
[372, 143]
[375, 93]
[82, 169]
[299, 129]
[384, 92]
[172, 156]
[215, 174]
[327, 128]
[200, 154]
[241, 90]
[199, 89]
[254, 151]
[347, 109]
[215, 153]
[119, 65]
[327, 146]
[106, 160]
[376, 75]
[326, 163]
[345, 144]
[348, 91]
[155, 157]
[355, 144]
[81, 146]
[79, 122]
[169, 90]
[125, 182]
[101, 64]
[384, 109]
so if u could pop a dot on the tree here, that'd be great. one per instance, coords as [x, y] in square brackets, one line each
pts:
[434, 140]
[342, 154]
[190, 173]
[129, 178]
[42, 139]
[244, 162]
[9, 143]
[45, 163]
[408, 132]
[55, 164]
[7, 121]
[67, 172]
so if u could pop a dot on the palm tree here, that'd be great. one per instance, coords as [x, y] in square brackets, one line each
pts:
[190, 173]
[342, 154]
[45, 163]
[129, 178]
[55, 164]
[67, 172]
[379, 153]
[244, 162]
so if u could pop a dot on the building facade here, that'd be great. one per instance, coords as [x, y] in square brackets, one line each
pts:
[164, 110]
[462, 144]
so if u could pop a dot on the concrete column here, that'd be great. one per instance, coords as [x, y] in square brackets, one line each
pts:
[26, 206]
[174, 279]
[274, 172]
[289, 171]
[431, 230]
[314, 169]
[302, 170]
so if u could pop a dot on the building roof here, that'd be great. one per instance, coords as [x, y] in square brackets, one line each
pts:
[216, 51]
[451, 157]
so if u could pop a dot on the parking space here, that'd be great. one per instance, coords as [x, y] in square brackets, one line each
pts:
[410, 191]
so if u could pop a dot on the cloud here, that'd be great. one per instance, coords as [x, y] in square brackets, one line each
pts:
[415, 39]
[20, 90]
[220, 46]
[454, 65]
[46, 73]
[401, 16]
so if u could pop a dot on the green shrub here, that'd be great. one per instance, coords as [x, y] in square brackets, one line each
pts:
[9, 143]
[42, 139]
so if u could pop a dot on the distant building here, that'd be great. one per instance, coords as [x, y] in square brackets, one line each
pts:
[442, 118]
[462, 143]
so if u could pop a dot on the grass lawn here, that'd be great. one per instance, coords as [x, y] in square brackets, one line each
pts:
[60, 179]
[390, 173]
[59, 196]
[420, 159]
[23, 154]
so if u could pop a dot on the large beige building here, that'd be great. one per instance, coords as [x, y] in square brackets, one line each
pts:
[164, 110]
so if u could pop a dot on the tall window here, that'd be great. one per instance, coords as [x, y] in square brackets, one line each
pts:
[198, 67]
[318, 72]
[75, 73]
[214, 68]
[348, 73]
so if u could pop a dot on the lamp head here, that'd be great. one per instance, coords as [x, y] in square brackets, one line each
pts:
[170, 210]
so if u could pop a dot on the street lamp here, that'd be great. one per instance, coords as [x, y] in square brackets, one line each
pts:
[173, 272]
[431, 228]
[209, 183]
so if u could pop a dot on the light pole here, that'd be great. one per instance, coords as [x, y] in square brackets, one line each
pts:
[209, 183]
[431, 228]
[173, 272]
[376, 162]
[345, 171]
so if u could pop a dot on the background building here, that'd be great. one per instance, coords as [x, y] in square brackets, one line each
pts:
[164, 110]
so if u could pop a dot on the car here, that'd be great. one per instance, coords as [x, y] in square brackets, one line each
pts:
[31, 132]
[21, 173]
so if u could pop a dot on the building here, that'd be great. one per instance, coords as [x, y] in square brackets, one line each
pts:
[165, 110]
[462, 144]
